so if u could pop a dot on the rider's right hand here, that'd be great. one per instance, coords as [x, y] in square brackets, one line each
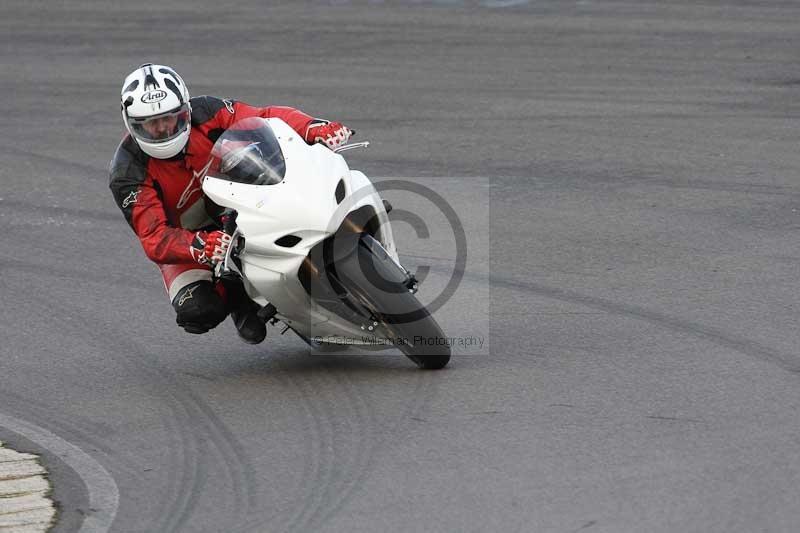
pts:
[209, 248]
[331, 134]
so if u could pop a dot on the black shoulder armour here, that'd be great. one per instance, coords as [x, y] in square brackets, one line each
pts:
[204, 108]
[127, 171]
[129, 162]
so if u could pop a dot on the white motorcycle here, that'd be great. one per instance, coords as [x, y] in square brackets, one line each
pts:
[313, 244]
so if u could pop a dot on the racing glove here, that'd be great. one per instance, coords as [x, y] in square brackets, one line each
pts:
[331, 134]
[209, 248]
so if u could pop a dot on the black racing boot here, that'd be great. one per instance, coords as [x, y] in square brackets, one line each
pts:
[251, 328]
[244, 313]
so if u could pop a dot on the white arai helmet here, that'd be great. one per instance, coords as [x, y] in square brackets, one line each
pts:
[156, 110]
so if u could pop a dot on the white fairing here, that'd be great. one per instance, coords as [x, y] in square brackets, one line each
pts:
[304, 205]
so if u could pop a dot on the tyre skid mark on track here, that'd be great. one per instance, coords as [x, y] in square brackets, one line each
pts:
[59, 162]
[185, 409]
[188, 453]
[349, 480]
[335, 494]
[327, 457]
[334, 467]
[644, 180]
[81, 214]
[93, 335]
[715, 186]
[186, 482]
[421, 395]
[716, 336]
[243, 480]
[70, 429]
[192, 455]
[82, 275]
[710, 334]
[342, 423]
[199, 430]
[313, 467]
[185, 475]
[212, 433]
[329, 485]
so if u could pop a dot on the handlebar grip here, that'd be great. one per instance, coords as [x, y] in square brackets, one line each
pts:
[229, 221]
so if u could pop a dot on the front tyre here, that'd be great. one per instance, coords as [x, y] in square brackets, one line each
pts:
[373, 278]
[423, 341]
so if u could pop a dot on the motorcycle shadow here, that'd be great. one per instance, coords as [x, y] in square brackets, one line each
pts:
[309, 362]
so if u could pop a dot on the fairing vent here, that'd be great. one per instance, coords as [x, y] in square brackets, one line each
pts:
[288, 241]
[340, 192]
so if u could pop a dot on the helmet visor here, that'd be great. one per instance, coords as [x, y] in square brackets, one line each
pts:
[161, 128]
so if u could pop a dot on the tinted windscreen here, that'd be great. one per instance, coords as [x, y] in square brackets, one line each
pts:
[248, 152]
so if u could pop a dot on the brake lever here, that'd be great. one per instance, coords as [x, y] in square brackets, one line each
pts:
[351, 146]
[223, 268]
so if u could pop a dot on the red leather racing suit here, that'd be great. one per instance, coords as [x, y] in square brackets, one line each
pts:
[162, 199]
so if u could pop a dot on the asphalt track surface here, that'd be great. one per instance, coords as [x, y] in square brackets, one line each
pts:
[626, 174]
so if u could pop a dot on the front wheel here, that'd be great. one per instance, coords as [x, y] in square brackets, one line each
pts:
[373, 278]
[428, 347]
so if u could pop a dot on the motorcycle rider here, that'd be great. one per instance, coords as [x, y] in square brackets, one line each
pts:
[156, 176]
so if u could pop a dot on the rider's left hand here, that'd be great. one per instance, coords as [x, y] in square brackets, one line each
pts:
[210, 248]
[331, 134]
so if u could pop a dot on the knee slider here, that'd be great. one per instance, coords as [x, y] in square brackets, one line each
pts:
[199, 307]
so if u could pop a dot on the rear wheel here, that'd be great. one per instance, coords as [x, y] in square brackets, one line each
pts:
[373, 278]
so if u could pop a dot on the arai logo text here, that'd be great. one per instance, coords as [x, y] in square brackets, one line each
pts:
[154, 96]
